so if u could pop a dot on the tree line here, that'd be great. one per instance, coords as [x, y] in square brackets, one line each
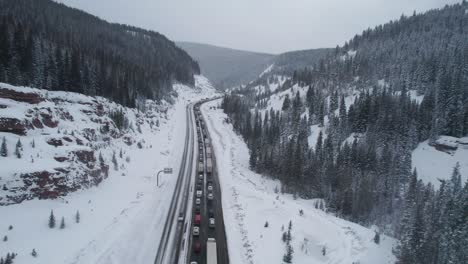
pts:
[50, 46]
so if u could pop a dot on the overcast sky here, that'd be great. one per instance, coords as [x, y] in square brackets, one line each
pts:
[271, 26]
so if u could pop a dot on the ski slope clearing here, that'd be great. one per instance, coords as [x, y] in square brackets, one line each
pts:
[250, 201]
[121, 219]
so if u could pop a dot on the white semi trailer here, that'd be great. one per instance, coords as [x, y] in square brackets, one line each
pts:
[211, 257]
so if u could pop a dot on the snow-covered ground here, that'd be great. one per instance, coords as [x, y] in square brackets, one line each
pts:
[121, 220]
[250, 200]
[432, 164]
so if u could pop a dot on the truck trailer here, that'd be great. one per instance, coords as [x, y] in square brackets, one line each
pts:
[209, 166]
[200, 167]
[211, 257]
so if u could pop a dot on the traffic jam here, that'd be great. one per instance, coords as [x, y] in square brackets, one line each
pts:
[204, 222]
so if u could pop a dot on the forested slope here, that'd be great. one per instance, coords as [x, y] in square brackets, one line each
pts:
[346, 128]
[48, 45]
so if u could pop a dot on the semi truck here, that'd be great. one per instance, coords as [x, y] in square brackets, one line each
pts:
[211, 257]
[200, 167]
[209, 166]
[208, 152]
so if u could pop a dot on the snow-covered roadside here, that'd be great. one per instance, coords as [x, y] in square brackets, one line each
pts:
[121, 219]
[249, 201]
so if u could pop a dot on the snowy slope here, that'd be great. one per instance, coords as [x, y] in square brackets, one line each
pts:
[434, 162]
[249, 200]
[123, 217]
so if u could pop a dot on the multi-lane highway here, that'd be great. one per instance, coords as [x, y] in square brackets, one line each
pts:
[195, 215]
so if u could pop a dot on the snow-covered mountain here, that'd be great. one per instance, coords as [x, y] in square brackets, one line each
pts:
[377, 128]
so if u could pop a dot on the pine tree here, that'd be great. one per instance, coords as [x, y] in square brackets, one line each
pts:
[286, 103]
[51, 219]
[289, 232]
[34, 253]
[377, 238]
[287, 258]
[62, 223]
[5, 238]
[18, 149]
[253, 159]
[101, 159]
[114, 161]
[3, 149]
[77, 217]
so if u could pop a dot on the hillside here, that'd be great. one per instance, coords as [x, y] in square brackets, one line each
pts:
[258, 214]
[59, 142]
[352, 128]
[226, 67]
[288, 62]
[51, 46]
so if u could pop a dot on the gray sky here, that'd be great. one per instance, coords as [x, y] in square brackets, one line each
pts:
[272, 26]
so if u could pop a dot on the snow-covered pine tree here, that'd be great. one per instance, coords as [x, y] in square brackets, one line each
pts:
[4, 149]
[62, 223]
[52, 219]
[288, 256]
[114, 161]
[18, 149]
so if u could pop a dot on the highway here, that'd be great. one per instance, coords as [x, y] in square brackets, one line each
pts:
[171, 239]
[177, 244]
[209, 208]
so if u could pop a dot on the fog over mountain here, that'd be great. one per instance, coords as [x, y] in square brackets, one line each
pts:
[227, 67]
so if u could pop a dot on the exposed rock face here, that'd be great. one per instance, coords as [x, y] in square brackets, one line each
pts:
[52, 185]
[65, 130]
[37, 123]
[30, 98]
[60, 159]
[55, 142]
[48, 120]
[86, 157]
[12, 125]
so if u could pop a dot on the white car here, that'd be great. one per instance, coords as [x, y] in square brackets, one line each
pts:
[200, 176]
[181, 217]
[196, 231]
[210, 188]
[211, 223]
[198, 201]
[199, 194]
[210, 196]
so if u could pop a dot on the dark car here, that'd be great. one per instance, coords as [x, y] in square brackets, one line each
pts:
[197, 246]
[197, 208]
[210, 213]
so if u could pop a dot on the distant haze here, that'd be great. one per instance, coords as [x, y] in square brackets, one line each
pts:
[271, 26]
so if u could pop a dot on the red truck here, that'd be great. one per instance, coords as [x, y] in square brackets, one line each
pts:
[197, 219]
